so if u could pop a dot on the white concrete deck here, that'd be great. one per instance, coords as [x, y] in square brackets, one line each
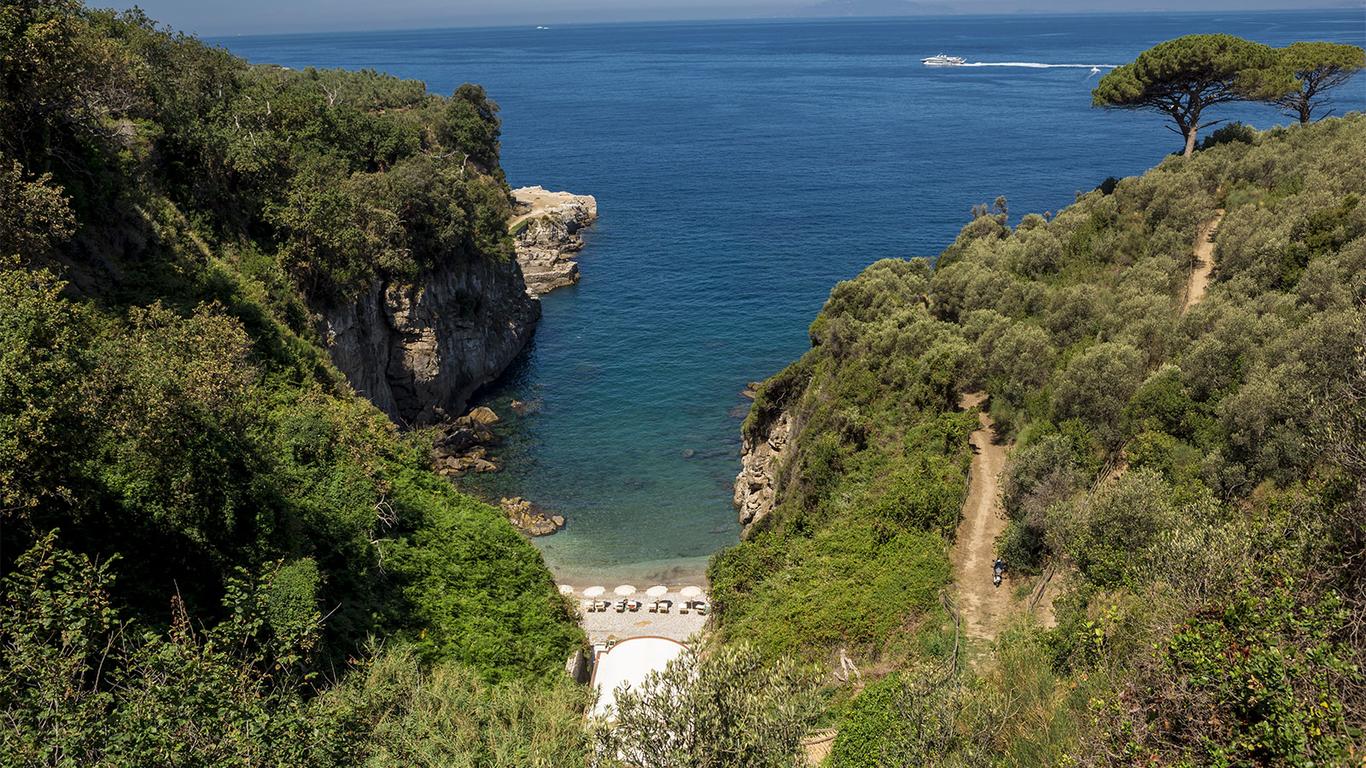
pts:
[629, 662]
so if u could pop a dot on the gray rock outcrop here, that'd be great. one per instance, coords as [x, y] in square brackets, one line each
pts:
[418, 351]
[761, 458]
[547, 234]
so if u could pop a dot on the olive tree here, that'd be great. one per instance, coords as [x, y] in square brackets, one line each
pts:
[1110, 533]
[1095, 386]
[1182, 78]
[1020, 362]
[1317, 68]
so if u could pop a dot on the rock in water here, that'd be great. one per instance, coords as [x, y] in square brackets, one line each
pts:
[461, 445]
[546, 231]
[483, 415]
[525, 408]
[527, 518]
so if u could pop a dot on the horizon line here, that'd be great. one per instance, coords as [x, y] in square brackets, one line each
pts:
[792, 18]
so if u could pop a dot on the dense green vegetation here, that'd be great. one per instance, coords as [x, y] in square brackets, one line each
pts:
[213, 551]
[215, 554]
[1194, 474]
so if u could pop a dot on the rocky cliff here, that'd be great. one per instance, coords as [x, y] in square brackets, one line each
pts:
[761, 458]
[546, 230]
[418, 351]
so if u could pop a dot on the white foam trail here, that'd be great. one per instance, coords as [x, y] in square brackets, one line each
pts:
[1035, 65]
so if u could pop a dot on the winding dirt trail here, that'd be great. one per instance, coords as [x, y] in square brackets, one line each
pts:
[982, 605]
[984, 608]
[1203, 261]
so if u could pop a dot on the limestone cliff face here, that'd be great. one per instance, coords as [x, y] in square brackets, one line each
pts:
[418, 351]
[547, 233]
[761, 458]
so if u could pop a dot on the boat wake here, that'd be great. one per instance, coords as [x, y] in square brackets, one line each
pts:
[1035, 65]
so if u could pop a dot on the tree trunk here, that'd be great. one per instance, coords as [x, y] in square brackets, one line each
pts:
[1190, 139]
[1305, 110]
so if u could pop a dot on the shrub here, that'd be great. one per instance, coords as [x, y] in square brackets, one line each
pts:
[1095, 386]
[1233, 132]
[713, 708]
[1108, 533]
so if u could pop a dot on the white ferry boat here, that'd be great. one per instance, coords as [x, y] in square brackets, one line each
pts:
[943, 60]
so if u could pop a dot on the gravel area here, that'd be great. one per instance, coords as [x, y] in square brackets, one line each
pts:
[610, 625]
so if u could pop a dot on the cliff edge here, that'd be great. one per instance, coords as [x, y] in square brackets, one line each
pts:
[762, 456]
[546, 229]
[418, 351]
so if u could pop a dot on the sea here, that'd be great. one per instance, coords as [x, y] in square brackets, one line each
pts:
[742, 168]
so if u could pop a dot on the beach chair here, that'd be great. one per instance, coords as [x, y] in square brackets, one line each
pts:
[621, 606]
[589, 606]
[686, 607]
[702, 608]
[633, 605]
[664, 606]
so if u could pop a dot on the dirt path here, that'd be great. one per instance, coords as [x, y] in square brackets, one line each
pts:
[983, 606]
[817, 745]
[1204, 260]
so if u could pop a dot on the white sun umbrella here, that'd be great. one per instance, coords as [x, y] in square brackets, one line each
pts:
[594, 591]
[566, 589]
[625, 590]
[690, 591]
[656, 591]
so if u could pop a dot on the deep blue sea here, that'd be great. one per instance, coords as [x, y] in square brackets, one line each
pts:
[741, 170]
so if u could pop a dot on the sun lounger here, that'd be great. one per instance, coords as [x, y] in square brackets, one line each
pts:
[702, 608]
[661, 606]
[589, 606]
[621, 606]
[686, 607]
[633, 605]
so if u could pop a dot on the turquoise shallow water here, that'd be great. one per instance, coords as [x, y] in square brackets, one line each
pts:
[741, 169]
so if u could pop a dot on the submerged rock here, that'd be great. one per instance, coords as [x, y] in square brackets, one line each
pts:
[526, 517]
[525, 407]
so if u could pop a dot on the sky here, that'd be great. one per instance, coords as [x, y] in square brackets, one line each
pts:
[216, 18]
